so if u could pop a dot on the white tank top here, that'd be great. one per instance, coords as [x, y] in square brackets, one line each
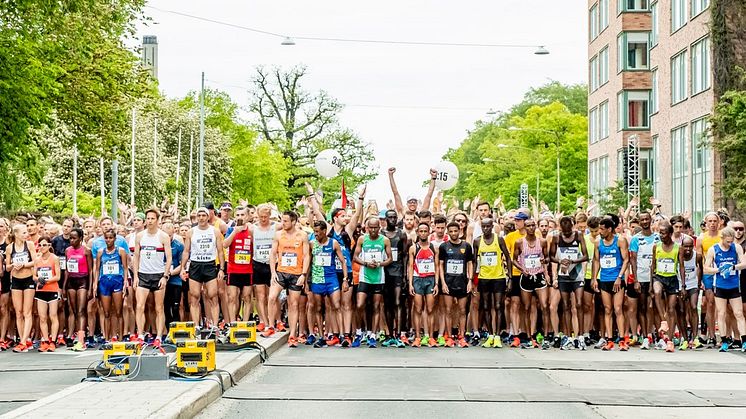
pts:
[152, 254]
[690, 267]
[263, 242]
[203, 245]
[477, 231]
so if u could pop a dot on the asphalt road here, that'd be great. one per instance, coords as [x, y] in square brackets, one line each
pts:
[451, 382]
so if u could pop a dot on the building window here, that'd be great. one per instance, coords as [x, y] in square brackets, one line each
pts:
[593, 22]
[633, 50]
[621, 103]
[593, 125]
[678, 78]
[593, 178]
[603, 120]
[698, 6]
[594, 74]
[633, 109]
[654, 28]
[701, 66]
[679, 169]
[603, 66]
[654, 92]
[654, 175]
[603, 175]
[632, 5]
[603, 14]
[701, 171]
[621, 166]
[678, 14]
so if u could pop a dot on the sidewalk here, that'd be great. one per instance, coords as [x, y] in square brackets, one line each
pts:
[140, 399]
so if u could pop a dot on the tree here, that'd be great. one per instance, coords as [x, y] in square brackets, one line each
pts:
[729, 127]
[615, 197]
[574, 96]
[300, 125]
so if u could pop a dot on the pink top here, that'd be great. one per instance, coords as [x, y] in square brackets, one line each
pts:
[531, 257]
[77, 264]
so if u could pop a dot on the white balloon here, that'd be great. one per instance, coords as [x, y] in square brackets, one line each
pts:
[447, 175]
[328, 163]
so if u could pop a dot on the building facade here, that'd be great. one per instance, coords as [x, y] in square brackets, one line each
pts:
[149, 55]
[650, 78]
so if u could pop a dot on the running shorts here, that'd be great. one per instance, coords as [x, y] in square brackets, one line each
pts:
[77, 283]
[108, 286]
[370, 289]
[47, 296]
[239, 280]
[262, 274]
[531, 283]
[289, 281]
[149, 281]
[203, 272]
[423, 286]
[22, 283]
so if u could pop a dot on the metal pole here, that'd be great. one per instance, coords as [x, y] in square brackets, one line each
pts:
[132, 159]
[201, 181]
[189, 182]
[155, 147]
[75, 180]
[558, 174]
[115, 191]
[101, 181]
[178, 169]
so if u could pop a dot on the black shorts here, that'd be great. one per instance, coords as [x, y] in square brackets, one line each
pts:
[76, 283]
[493, 286]
[22, 283]
[691, 292]
[608, 286]
[568, 285]
[396, 281]
[239, 280]
[644, 290]
[670, 283]
[149, 281]
[515, 286]
[47, 296]
[341, 278]
[262, 274]
[5, 282]
[369, 289]
[203, 271]
[587, 287]
[531, 283]
[289, 281]
[727, 294]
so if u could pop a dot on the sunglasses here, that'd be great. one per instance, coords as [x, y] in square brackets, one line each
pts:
[738, 228]
[44, 244]
[461, 221]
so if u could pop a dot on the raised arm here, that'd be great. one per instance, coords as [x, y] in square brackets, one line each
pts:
[359, 210]
[397, 198]
[430, 190]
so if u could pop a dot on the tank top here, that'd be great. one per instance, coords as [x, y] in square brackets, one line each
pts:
[643, 246]
[531, 257]
[666, 262]
[19, 256]
[455, 258]
[290, 250]
[323, 269]
[490, 259]
[728, 279]
[424, 261]
[707, 243]
[590, 246]
[396, 268]
[263, 243]
[569, 250]
[345, 242]
[610, 258]
[203, 245]
[477, 230]
[239, 253]
[152, 254]
[372, 251]
[690, 268]
[77, 263]
[111, 265]
[46, 270]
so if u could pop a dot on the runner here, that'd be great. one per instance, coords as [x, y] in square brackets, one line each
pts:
[33, 231]
[610, 263]
[693, 271]
[516, 324]
[456, 268]
[568, 251]
[239, 243]
[705, 241]
[421, 273]
[4, 285]
[396, 288]
[203, 252]
[324, 282]
[668, 265]
[263, 235]
[639, 290]
[740, 240]
[110, 273]
[77, 284]
[529, 256]
[47, 279]
[589, 293]
[490, 254]
[152, 267]
[174, 286]
[723, 261]
[289, 260]
[19, 261]
[138, 225]
[222, 291]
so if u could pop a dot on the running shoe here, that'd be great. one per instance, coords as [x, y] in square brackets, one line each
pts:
[400, 344]
[416, 343]
[450, 343]
[260, 327]
[43, 346]
[723, 347]
[498, 343]
[711, 342]
[441, 341]
[539, 338]
[581, 344]
[488, 343]
[557, 341]
[609, 346]
[697, 344]
[462, 342]
[346, 342]
[425, 340]
[320, 343]
[669, 346]
[432, 343]
[78, 347]
[474, 340]
[516, 342]
[660, 345]
[358, 340]
[3, 345]
[676, 341]
[743, 348]
[623, 346]
[21, 347]
[600, 344]
[404, 339]
[292, 342]
[645, 344]
[381, 336]
[545, 345]
[280, 326]
[61, 341]
[389, 342]
[268, 332]
[664, 326]
[372, 342]
[684, 345]
[51, 347]
[311, 339]
[567, 344]
[302, 339]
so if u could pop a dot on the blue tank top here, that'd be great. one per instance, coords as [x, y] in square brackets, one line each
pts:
[610, 258]
[111, 265]
[323, 269]
[729, 279]
[345, 245]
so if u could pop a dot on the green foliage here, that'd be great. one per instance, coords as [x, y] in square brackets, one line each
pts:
[729, 126]
[615, 197]
[574, 97]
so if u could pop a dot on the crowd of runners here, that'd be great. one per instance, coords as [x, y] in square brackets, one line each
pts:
[414, 274]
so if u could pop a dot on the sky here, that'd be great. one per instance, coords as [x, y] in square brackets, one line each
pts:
[411, 103]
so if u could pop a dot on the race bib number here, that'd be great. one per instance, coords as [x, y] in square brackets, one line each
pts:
[289, 259]
[63, 262]
[20, 258]
[454, 267]
[262, 252]
[608, 262]
[44, 273]
[667, 266]
[242, 257]
[488, 259]
[532, 262]
[569, 253]
[372, 257]
[148, 254]
[72, 266]
[323, 259]
[395, 254]
[111, 268]
[338, 264]
[425, 266]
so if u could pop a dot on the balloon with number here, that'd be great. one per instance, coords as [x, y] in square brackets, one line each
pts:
[328, 163]
[447, 175]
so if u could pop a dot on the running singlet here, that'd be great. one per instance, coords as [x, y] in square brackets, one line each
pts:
[100, 243]
[569, 250]
[345, 243]
[690, 267]
[729, 279]
[510, 240]
[531, 257]
[290, 251]
[59, 245]
[45, 270]
[111, 265]
[707, 243]
[152, 254]
[263, 243]
[203, 245]
[610, 260]
[490, 259]
[396, 268]
[372, 251]
[666, 263]
[455, 258]
[22, 256]
[590, 246]
[424, 261]
[77, 264]
[323, 269]
[239, 253]
[643, 246]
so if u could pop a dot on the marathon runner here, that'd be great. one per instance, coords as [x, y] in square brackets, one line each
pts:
[263, 234]
[421, 273]
[396, 288]
[640, 262]
[77, 284]
[222, 288]
[47, 279]
[128, 307]
[491, 255]
[589, 293]
[20, 257]
[670, 279]
[456, 268]
[239, 243]
[517, 323]
[705, 241]
[174, 287]
[324, 282]
[693, 271]
[530, 256]
[110, 273]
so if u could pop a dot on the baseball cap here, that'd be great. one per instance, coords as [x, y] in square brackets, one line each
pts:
[140, 215]
[520, 215]
[412, 198]
[209, 205]
[382, 214]
[226, 206]
[203, 209]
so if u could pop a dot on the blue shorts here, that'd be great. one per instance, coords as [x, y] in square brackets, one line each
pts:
[325, 289]
[110, 285]
[708, 281]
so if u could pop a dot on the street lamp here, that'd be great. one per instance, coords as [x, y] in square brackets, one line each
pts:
[541, 50]
[287, 41]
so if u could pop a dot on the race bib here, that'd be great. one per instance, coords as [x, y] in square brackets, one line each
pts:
[20, 257]
[323, 259]
[262, 252]
[338, 264]
[242, 257]
[111, 268]
[454, 267]
[532, 262]
[667, 266]
[72, 266]
[148, 254]
[44, 273]
[372, 257]
[608, 262]
[63, 261]
[395, 254]
[289, 259]
[568, 253]
[488, 259]
[425, 266]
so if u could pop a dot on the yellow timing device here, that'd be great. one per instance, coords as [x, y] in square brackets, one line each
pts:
[182, 331]
[195, 356]
[117, 354]
[241, 332]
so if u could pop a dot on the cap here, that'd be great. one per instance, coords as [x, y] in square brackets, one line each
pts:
[226, 206]
[209, 205]
[412, 198]
[203, 209]
[382, 214]
[140, 215]
[520, 216]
